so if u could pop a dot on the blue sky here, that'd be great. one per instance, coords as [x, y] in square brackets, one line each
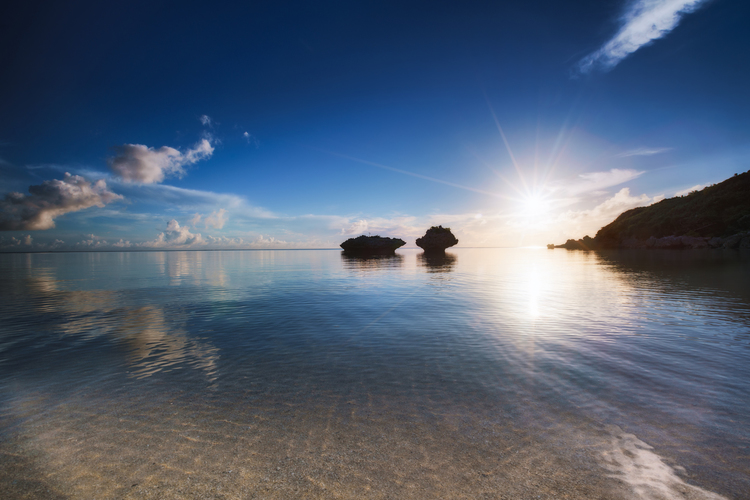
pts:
[139, 125]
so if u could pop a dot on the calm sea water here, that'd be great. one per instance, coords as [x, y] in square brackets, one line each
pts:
[487, 373]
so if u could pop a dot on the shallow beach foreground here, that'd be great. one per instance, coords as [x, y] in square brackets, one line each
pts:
[487, 373]
[327, 448]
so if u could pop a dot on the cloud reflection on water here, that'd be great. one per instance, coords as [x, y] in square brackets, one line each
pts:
[153, 342]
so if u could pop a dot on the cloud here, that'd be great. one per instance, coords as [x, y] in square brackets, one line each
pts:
[216, 220]
[225, 242]
[192, 200]
[643, 22]
[175, 236]
[145, 165]
[52, 199]
[697, 187]
[357, 227]
[268, 242]
[92, 241]
[206, 120]
[577, 223]
[195, 220]
[122, 244]
[643, 152]
[596, 181]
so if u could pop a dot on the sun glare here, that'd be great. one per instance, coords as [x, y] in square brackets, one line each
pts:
[534, 206]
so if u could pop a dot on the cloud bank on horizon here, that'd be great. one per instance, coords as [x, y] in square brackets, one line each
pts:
[643, 22]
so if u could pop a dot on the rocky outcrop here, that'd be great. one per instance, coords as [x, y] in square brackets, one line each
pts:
[717, 216]
[372, 245]
[437, 239]
[733, 242]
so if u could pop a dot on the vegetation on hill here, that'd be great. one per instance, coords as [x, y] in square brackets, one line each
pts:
[717, 211]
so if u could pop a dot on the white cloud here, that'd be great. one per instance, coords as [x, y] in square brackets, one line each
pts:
[225, 242]
[596, 181]
[122, 244]
[142, 164]
[577, 223]
[216, 219]
[357, 227]
[27, 239]
[697, 187]
[175, 236]
[52, 199]
[268, 242]
[194, 200]
[643, 152]
[92, 243]
[92, 240]
[195, 219]
[206, 120]
[643, 22]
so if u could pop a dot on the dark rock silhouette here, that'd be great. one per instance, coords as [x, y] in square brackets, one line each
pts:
[437, 239]
[372, 245]
[717, 216]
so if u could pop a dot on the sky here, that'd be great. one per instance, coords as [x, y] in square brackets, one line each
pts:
[193, 125]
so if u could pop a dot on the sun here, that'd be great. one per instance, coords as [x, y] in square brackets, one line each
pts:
[534, 205]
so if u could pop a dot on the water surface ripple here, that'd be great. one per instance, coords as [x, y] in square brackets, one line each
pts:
[484, 373]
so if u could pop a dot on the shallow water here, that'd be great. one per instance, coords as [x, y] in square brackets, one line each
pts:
[489, 373]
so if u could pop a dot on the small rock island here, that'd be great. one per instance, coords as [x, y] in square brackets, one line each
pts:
[437, 239]
[372, 245]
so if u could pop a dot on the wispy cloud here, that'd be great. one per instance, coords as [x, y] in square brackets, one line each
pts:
[193, 200]
[52, 199]
[643, 152]
[643, 22]
[206, 121]
[596, 181]
[145, 165]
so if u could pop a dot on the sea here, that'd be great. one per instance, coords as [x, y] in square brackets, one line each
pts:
[483, 373]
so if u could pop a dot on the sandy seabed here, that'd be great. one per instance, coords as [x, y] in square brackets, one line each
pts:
[299, 445]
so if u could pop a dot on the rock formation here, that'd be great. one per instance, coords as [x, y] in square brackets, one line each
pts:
[372, 245]
[717, 216]
[437, 239]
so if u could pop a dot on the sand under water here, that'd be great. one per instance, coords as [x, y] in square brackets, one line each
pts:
[308, 375]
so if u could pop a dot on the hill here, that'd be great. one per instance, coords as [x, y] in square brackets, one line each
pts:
[716, 216]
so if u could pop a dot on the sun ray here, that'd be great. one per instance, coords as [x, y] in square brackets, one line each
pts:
[414, 174]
